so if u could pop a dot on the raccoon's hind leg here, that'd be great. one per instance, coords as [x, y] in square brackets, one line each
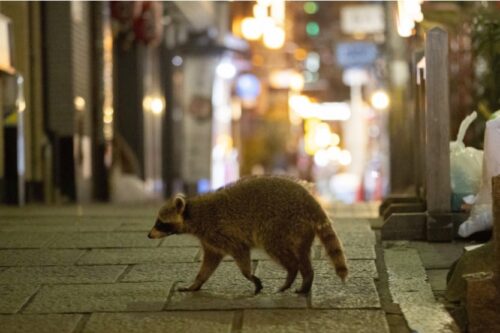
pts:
[291, 265]
[211, 260]
[242, 258]
[287, 259]
[306, 270]
[305, 266]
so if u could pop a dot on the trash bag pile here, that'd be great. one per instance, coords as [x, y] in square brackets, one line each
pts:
[471, 173]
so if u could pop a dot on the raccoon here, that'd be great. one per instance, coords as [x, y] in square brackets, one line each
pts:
[275, 213]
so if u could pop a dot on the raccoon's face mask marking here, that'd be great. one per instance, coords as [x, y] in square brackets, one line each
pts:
[169, 221]
[163, 229]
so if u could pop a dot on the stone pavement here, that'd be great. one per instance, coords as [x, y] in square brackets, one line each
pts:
[92, 269]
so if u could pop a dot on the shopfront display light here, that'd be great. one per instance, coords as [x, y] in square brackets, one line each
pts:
[259, 11]
[408, 13]
[312, 28]
[267, 23]
[330, 111]
[312, 62]
[297, 82]
[79, 102]
[177, 61]
[311, 7]
[379, 100]
[157, 105]
[321, 158]
[274, 38]
[345, 157]
[226, 70]
[251, 29]
[322, 135]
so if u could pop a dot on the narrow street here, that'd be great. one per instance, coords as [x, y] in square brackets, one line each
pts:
[388, 112]
[92, 269]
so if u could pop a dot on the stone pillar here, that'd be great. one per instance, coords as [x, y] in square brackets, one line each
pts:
[437, 137]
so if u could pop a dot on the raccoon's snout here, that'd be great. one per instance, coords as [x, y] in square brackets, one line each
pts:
[154, 234]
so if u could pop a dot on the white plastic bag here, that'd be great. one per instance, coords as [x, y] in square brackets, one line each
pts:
[465, 162]
[481, 217]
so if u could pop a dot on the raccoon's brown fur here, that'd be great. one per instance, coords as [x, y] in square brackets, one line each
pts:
[275, 213]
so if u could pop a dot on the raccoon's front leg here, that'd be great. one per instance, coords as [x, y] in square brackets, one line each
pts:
[210, 262]
[242, 258]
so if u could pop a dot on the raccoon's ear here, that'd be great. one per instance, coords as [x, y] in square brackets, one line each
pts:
[180, 203]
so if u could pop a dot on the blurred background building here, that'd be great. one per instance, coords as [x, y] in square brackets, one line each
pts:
[134, 101]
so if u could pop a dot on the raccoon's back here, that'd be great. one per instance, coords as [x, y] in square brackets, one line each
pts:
[270, 197]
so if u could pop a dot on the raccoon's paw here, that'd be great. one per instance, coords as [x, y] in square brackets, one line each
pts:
[257, 283]
[302, 291]
[186, 289]
[283, 288]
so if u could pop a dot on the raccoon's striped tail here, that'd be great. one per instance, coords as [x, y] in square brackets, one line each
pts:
[333, 247]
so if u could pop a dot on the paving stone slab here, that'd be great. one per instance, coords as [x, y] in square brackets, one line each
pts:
[160, 322]
[351, 252]
[39, 257]
[162, 272]
[127, 211]
[12, 297]
[329, 292]
[55, 219]
[409, 288]
[138, 256]
[236, 293]
[93, 210]
[314, 321]
[135, 226]
[62, 274]
[49, 323]
[10, 240]
[36, 220]
[351, 223]
[185, 272]
[74, 298]
[104, 240]
[180, 240]
[64, 227]
[353, 238]
[357, 238]
[357, 268]
[438, 255]
[115, 219]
